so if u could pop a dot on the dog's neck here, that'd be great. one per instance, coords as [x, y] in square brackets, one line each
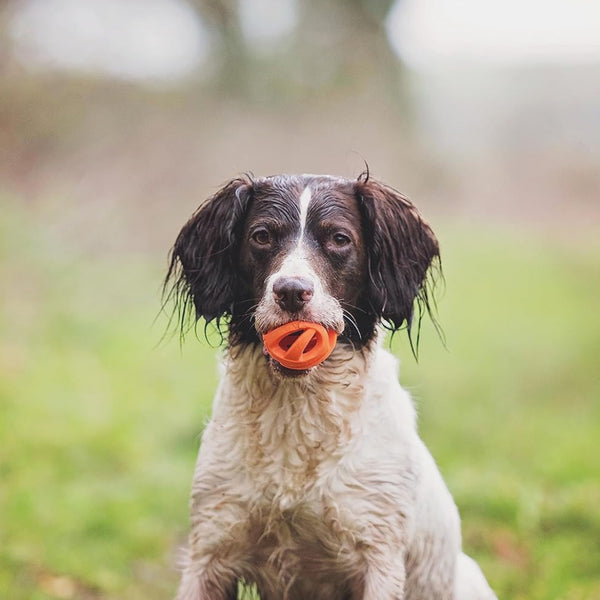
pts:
[288, 427]
[285, 432]
[343, 373]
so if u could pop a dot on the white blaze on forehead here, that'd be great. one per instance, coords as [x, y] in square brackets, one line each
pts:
[296, 263]
[305, 199]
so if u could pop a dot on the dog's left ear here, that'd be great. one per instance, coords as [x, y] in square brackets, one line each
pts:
[202, 270]
[401, 249]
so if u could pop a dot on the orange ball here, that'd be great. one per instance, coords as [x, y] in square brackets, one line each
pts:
[300, 345]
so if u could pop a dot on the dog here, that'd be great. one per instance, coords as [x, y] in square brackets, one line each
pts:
[314, 484]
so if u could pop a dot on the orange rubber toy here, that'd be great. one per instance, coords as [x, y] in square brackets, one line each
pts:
[300, 345]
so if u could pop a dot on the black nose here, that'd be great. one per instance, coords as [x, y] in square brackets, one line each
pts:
[292, 293]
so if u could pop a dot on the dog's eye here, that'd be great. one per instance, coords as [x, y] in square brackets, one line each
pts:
[261, 237]
[340, 240]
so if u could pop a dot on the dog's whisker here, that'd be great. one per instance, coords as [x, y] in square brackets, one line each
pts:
[352, 321]
[354, 307]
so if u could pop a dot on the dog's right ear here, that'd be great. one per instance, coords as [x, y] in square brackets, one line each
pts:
[202, 269]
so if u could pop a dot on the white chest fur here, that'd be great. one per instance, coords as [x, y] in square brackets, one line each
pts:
[298, 481]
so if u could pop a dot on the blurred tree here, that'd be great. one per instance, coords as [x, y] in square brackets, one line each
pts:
[336, 44]
[349, 37]
[222, 17]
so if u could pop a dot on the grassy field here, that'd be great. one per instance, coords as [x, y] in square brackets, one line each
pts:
[99, 422]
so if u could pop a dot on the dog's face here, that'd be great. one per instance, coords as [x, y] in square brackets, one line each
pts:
[302, 253]
[346, 254]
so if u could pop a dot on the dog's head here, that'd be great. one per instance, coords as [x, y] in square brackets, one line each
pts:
[348, 254]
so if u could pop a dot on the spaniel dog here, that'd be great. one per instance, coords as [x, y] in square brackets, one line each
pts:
[314, 484]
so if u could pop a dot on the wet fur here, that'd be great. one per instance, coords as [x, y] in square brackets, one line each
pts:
[315, 487]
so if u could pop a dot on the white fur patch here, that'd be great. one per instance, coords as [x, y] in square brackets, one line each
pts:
[305, 199]
[323, 307]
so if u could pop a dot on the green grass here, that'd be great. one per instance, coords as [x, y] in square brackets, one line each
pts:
[99, 423]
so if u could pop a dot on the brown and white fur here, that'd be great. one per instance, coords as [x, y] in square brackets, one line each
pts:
[314, 485]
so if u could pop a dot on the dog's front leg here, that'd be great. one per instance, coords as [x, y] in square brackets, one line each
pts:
[218, 541]
[384, 577]
[213, 583]
[216, 549]
[217, 546]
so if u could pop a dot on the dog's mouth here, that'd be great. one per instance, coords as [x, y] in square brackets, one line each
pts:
[279, 369]
[296, 347]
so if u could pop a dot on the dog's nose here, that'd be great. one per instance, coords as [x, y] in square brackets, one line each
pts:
[292, 293]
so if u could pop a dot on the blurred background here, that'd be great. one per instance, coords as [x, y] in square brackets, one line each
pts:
[118, 118]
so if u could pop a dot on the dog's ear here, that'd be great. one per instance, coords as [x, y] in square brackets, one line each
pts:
[401, 249]
[202, 270]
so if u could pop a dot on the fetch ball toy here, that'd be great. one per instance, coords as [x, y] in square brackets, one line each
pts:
[300, 345]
